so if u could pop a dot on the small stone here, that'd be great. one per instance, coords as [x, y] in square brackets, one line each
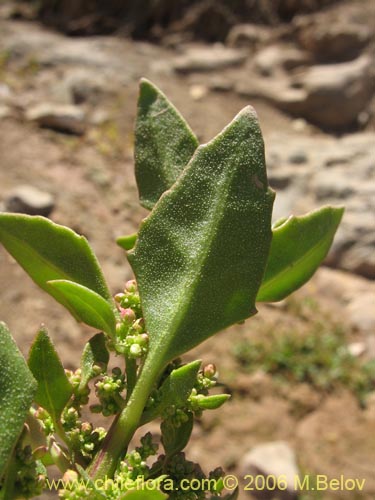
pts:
[198, 92]
[356, 349]
[272, 459]
[248, 35]
[62, 118]
[298, 158]
[208, 59]
[29, 200]
[5, 111]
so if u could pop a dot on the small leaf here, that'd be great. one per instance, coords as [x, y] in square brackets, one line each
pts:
[17, 388]
[54, 389]
[175, 389]
[175, 439]
[88, 306]
[127, 242]
[95, 354]
[298, 247]
[144, 494]
[164, 144]
[48, 252]
[192, 282]
[212, 402]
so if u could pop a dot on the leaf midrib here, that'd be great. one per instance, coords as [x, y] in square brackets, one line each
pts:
[201, 259]
[46, 386]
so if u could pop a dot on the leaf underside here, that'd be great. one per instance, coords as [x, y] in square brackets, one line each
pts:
[298, 247]
[164, 144]
[17, 389]
[54, 389]
[201, 254]
[48, 251]
[88, 306]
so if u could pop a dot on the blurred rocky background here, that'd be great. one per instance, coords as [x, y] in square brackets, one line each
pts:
[68, 86]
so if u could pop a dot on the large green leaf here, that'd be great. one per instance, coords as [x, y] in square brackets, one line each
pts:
[88, 306]
[54, 389]
[201, 254]
[17, 389]
[48, 251]
[164, 144]
[298, 247]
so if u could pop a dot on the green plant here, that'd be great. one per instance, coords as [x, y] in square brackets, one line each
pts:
[202, 258]
[319, 357]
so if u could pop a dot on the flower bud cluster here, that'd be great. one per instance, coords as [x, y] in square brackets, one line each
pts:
[130, 298]
[30, 473]
[131, 337]
[86, 439]
[135, 465]
[108, 390]
[178, 468]
[83, 438]
[80, 395]
[45, 419]
[175, 416]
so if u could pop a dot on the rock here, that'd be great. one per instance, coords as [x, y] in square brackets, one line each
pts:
[335, 94]
[360, 258]
[272, 459]
[5, 92]
[208, 59]
[298, 158]
[247, 35]
[198, 92]
[356, 349]
[270, 60]
[331, 96]
[341, 41]
[334, 184]
[86, 86]
[29, 200]
[5, 111]
[62, 118]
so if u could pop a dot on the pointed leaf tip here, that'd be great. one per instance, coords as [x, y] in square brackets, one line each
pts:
[54, 389]
[164, 144]
[299, 245]
[203, 283]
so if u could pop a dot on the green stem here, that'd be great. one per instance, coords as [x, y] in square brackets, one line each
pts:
[131, 376]
[7, 489]
[123, 427]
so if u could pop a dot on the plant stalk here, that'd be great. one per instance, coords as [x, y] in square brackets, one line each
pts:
[126, 423]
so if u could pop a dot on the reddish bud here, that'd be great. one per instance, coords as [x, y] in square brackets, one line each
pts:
[209, 370]
[131, 286]
[127, 315]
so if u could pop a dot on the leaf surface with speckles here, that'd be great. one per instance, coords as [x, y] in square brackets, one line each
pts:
[54, 389]
[164, 144]
[17, 388]
[201, 254]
